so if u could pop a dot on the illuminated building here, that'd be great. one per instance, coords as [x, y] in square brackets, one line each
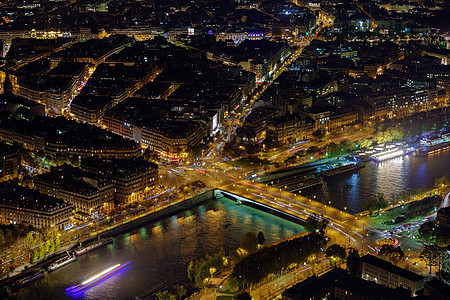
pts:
[385, 273]
[87, 192]
[21, 205]
[238, 36]
[140, 33]
[374, 68]
[55, 90]
[338, 284]
[404, 102]
[339, 118]
[90, 108]
[287, 129]
[133, 179]
[161, 125]
[10, 161]
[58, 135]
[443, 217]
[320, 117]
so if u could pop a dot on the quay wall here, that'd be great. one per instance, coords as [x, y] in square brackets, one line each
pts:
[160, 214]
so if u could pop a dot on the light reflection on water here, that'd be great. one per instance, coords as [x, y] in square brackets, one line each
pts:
[160, 252]
[390, 178]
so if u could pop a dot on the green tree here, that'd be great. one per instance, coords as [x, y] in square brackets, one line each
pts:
[441, 183]
[47, 246]
[75, 161]
[191, 271]
[375, 203]
[312, 259]
[34, 256]
[30, 240]
[249, 242]
[370, 205]
[232, 284]
[333, 149]
[57, 242]
[315, 223]
[202, 273]
[363, 144]
[353, 261]
[381, 201]
[442, 237]
[430, 256]
[336, 254]
[395, 255]
[180, 291]
[428, 231]
[165, 296]
[51, 247]
[319, 134]
[41, 251]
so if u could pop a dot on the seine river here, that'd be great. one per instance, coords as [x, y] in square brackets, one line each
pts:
[390, 177]
[161, 251]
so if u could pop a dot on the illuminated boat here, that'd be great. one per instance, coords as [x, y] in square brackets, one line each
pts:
[389, 154]
[433, 149]
[96, 278]
[62, 262]
[28, 279]
[83, 249]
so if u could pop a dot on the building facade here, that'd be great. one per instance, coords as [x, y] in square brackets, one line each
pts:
[21, 205]
[87, 192]
[133, 179]
[385, 273]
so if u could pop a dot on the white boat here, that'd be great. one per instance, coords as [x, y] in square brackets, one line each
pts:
[83, 249]
[62, 262]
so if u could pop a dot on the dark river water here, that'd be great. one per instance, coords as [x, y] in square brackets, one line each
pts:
[390, 177]
[161, 251]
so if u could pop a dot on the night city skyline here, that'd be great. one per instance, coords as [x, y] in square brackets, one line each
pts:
[233, 149]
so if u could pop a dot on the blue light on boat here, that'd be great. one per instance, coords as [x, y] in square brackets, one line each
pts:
[96, 278]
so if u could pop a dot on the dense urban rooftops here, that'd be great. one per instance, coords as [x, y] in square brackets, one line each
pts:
[118, 168]
[75, 180]
[14, 195]
[70, 133]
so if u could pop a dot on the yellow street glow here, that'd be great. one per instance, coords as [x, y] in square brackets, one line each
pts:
[99, 275]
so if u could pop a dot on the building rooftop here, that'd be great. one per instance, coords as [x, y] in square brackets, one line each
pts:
[170, 118]
[55, 84]
[7, 150]
[118, 168]
[122, 72]
[73, 134]
[74, 180]
[68, 69]
[340, 279]
[385, 265]
[91, 102]
[14, 195]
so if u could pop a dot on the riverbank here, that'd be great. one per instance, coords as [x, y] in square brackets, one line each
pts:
[116, 229]
[412, 199]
